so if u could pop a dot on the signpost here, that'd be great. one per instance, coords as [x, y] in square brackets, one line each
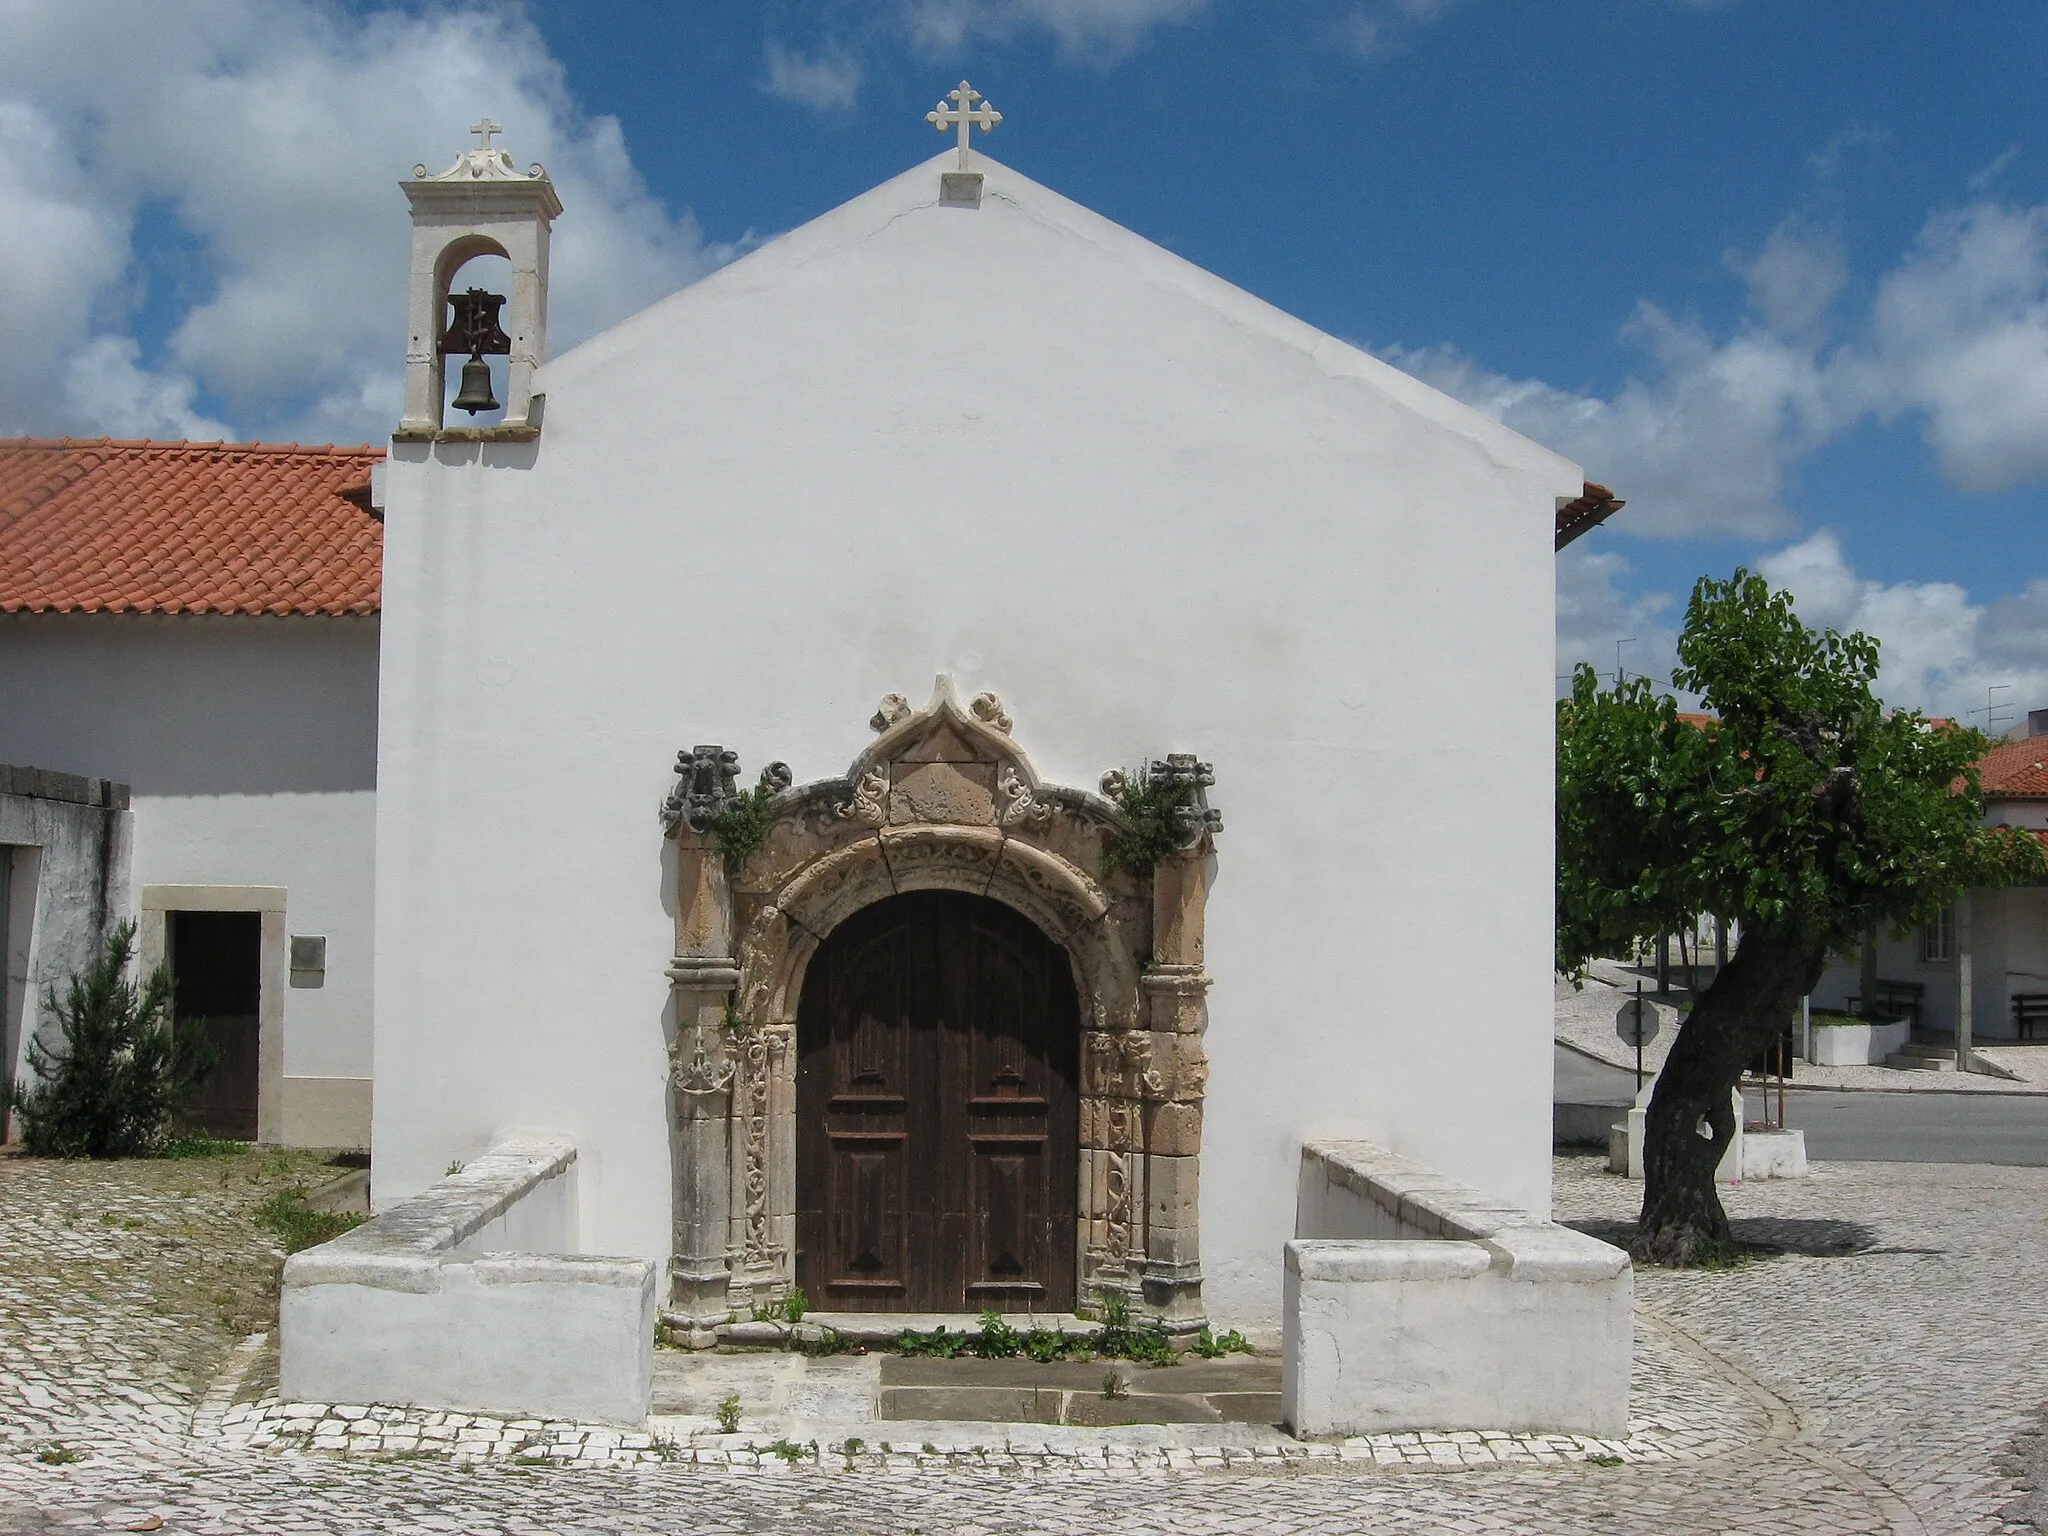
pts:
[1637, 1025]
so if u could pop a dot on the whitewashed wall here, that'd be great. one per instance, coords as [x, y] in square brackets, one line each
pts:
[251, 747]
[1018, 444]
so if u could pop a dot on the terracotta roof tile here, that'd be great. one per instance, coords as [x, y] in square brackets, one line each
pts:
[106, 526]
[2016, 770]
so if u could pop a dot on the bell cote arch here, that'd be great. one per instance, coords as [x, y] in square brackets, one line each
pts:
[942, 799]
[480, 206]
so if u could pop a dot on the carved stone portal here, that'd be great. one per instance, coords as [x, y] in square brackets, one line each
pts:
[941, 799]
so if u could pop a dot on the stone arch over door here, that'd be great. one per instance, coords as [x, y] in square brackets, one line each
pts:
[942, 799]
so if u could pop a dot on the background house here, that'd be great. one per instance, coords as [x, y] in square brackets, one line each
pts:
[2002, 936]
[199, 621]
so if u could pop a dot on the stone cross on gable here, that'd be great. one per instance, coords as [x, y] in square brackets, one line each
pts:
[483, 129]
[964, 115]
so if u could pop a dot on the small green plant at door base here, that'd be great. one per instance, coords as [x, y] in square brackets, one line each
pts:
[729, 1415]
[998, 1340]
[1214, 1346]
[795, 1305]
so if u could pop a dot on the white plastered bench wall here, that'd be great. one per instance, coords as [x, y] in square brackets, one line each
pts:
[1414, 1302]
[464, 1297]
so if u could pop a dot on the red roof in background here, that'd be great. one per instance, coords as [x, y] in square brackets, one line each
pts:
[2016, 770]
[106, 526]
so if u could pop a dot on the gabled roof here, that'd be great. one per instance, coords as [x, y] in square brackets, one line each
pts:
[2016, 770]
[108, 526]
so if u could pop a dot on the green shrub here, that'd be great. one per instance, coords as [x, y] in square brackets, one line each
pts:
[124, 1069]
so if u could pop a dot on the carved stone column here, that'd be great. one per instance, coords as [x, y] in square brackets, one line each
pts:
[701, 1066]
[1175, 989]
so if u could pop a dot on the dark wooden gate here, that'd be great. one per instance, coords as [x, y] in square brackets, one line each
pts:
[938, 1048]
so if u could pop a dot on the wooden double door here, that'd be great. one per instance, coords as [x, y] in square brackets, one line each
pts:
[938, 1047]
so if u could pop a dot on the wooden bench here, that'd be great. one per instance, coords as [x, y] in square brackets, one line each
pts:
[1896, 999]
[2029, 1012]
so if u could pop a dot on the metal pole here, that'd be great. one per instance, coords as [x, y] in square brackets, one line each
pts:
[1964, 1000]
[1639, 1037]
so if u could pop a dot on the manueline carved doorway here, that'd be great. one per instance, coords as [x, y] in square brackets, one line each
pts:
[938, 1056]
[1046, 1082]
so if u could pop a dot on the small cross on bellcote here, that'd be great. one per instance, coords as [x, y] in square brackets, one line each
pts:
[483, 129]
[964, 115]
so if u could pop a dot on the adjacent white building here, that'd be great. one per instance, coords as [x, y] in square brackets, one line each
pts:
[198, 621]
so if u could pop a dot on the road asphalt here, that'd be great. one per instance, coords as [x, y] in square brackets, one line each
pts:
[1845, 1126]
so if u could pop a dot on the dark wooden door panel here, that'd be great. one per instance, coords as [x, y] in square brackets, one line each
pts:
[938, 1121]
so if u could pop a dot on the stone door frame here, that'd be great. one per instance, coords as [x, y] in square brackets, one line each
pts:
[942, 799]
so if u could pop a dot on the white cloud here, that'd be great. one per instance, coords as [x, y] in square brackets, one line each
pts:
[831, 79]
[104, 385]
[1795, 278]
[1702, 440]
[1601, 623]
[274, 134]
[1701, 446]
[1939, 651]
[1097, 31]
[1959, 337]
[1379, 28]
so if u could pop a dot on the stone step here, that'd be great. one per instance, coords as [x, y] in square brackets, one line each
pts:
[1910, 1060]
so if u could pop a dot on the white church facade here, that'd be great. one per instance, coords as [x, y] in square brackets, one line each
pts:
[1165, 865]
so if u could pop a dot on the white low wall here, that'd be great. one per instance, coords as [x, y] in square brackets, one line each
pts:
[1414, 1302]
[453, 1299]
[1857, 1045]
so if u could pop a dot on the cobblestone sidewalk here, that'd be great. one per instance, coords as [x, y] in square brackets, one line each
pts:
[1884, 1373]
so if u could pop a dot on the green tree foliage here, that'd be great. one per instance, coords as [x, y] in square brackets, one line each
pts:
[1805, 810]
[124, 1068]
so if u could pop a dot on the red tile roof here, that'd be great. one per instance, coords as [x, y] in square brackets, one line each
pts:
[106, 526]
[1585, 512]
[2016, 770]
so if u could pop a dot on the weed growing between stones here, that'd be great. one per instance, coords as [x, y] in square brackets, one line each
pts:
[297, 1225]
[202, 1146]
[56, 1454]
[1214, 1346]
[788, 1450]
[729, 1415]
[1147, 1343]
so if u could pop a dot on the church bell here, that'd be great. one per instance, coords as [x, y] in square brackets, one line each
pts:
[475, 394]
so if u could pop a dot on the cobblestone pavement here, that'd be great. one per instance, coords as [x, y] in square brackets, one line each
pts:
[1885, 1373]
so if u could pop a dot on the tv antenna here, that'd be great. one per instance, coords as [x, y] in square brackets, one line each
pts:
[1996, 715]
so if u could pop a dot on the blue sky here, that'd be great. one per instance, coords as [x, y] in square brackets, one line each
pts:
[1778, 274]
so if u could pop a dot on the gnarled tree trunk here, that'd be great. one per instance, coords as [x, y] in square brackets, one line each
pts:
[1744, 1009]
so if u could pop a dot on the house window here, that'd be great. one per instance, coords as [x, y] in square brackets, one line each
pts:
[1938, 938]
